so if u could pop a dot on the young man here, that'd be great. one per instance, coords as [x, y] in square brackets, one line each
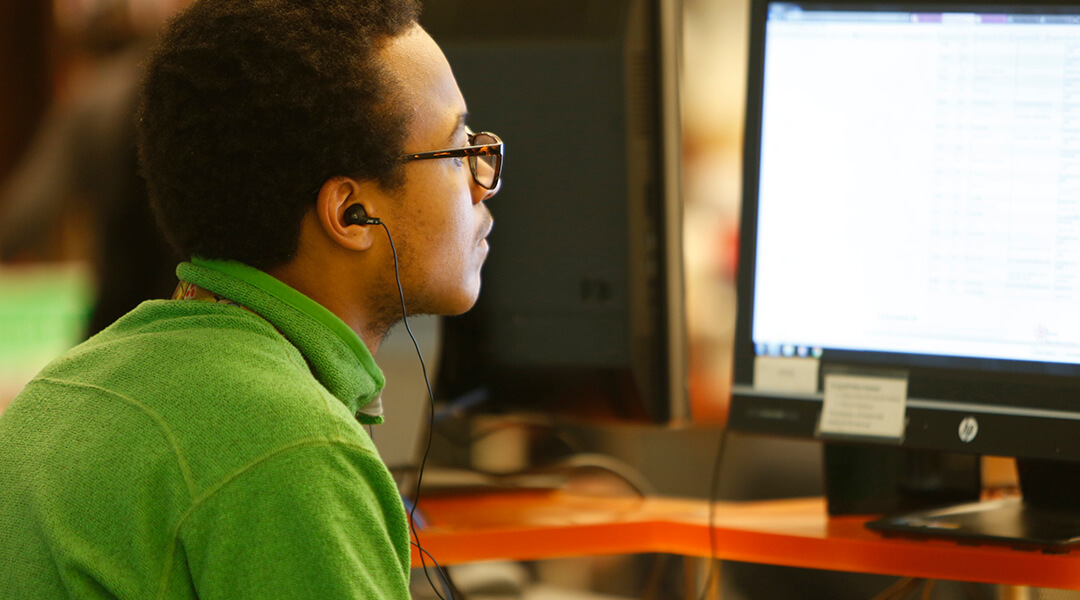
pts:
[211, 446]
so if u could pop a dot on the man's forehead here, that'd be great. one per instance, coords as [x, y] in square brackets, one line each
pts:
[427, 81]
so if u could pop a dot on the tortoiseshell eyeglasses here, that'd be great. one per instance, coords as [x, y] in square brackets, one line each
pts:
[484, 154]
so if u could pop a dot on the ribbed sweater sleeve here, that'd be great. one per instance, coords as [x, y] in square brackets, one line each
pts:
[303, 521]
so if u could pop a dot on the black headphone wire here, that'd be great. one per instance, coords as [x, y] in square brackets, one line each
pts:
[713, 493]
[450, 588]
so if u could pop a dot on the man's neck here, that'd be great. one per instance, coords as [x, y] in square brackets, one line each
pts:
[337, 294]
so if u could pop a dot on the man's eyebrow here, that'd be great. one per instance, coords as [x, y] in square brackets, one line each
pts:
[458, 126]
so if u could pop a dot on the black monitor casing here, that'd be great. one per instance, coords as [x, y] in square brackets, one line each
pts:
[581, 307]
[1023, 409]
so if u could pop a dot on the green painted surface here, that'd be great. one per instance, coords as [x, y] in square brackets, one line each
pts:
[43, 312]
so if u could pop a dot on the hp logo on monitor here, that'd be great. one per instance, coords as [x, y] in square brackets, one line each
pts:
[969, 428]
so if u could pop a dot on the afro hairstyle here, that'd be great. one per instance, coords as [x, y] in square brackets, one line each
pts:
[248, 106]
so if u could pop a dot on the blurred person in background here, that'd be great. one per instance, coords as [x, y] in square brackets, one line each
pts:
[79, 177]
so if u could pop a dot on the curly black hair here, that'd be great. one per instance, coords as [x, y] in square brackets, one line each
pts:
[248, 106]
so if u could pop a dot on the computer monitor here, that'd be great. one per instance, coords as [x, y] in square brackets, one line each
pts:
[909, 270]
[581, 308]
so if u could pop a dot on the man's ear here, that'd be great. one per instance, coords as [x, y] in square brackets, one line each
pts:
[336, 195]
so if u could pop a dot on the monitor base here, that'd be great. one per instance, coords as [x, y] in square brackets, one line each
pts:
[866, 479]
[1046, 518]
[1009, 522]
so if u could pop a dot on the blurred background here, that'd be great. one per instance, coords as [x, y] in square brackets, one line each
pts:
[78, 246]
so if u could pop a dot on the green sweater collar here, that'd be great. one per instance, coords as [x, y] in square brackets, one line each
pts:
[337, 356]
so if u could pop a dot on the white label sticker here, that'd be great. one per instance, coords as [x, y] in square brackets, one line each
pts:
[786, 374]
[864, 406]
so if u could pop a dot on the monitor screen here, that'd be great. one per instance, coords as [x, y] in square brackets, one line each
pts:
[911, 222]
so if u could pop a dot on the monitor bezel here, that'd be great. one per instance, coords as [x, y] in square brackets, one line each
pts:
[1025, 408]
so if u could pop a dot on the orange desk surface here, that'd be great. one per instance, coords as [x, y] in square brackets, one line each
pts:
[797, 533]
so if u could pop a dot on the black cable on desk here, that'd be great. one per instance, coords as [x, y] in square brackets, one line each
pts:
[713, 492]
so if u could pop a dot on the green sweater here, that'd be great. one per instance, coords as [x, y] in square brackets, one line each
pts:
[200, 450]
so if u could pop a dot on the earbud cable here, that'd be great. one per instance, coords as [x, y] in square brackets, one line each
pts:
[431, 427]
[713, 493]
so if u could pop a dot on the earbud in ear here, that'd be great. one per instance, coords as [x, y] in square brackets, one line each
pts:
[356, 215]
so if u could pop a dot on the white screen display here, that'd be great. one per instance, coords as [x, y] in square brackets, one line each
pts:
[919, 188]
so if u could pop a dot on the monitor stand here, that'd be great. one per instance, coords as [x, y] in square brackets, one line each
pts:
[864, 479]
[1046, 518]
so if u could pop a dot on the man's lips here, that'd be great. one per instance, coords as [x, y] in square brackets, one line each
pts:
[486, 230]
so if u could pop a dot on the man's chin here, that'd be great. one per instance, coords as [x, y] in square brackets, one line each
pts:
[464, 303]
[460, 309]
[450, 302]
